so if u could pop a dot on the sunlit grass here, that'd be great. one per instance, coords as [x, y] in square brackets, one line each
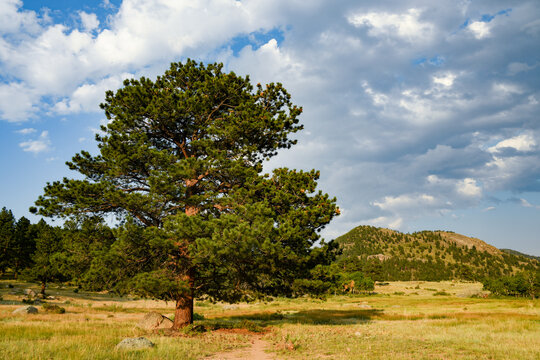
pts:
[412, 325]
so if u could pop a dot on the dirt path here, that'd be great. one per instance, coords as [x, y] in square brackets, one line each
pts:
[253, 352]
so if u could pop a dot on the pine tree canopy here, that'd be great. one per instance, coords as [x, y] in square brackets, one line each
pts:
[180, 164]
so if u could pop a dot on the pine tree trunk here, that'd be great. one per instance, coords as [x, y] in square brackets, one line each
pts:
[43, 288]
[183, 314]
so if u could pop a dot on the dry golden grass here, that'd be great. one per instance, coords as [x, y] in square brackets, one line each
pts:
[404, 320]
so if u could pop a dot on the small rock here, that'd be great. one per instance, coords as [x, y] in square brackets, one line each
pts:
[25, 310]
[30, 292]
[135, 344]
[153, 321]
[364, 306]
[51, 298]
[230, 307]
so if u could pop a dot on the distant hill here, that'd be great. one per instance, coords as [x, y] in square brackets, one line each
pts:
[515, 252]
[390, 255]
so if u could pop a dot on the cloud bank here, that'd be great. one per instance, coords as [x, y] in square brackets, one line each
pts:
[412, 109]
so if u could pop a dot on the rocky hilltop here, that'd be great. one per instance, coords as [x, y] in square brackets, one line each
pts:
[386, 254]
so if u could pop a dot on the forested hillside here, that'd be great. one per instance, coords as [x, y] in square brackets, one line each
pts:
[514, 252]
[387, 255]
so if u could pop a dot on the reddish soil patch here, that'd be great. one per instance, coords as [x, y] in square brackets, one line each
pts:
[256, 351]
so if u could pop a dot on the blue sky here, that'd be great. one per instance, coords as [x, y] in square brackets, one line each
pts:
[419, 115]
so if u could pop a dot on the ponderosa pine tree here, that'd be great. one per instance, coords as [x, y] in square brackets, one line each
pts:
[7, 238]
[82, 242]
[24, 246]
[181, 163]
[45, 267]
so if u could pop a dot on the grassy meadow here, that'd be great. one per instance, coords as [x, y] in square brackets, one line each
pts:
[402, 320]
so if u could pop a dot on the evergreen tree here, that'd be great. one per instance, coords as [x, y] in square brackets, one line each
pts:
[82, 242]
[24, 245]
[48, 247]
[180, 163]
[358, 281]
[373, 268]
[7, 238]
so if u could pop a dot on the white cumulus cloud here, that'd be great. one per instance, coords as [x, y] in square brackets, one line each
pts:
[446, 80]
[469, 187]
[391, 222]
[407, 25]
[406, 201]
[527, 204]
[89, 21]
[27, 131]
[523, 142]
[87, 97]
[480, 29]
[42, 144]
[17, 102]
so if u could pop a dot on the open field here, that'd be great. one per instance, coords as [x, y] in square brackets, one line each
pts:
[404, 320]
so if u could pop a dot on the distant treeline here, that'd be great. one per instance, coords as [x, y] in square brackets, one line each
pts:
[87, 253]
[44, 253]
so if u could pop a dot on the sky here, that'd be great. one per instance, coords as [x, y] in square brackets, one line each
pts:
[420, 115]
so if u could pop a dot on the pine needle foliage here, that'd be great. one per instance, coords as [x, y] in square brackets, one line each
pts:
[180, 164]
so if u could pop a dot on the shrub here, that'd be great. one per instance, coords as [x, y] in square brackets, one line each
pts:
[52, 308]
[441, 293]
[357, 281]
[249, 325]
[316, 288]
[524, 284]
[197, 317]
[193, 329]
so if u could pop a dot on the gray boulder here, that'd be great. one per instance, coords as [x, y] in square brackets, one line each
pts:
[25, 310]
[153, 321]
[135, 344]
[30, 293]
